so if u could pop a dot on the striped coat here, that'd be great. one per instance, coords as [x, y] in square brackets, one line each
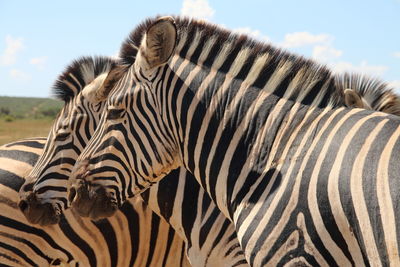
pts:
[135, 236]
[302, 185]
[210, 238]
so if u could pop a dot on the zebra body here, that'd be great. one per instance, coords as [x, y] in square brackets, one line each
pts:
[210, 238]
[127, 239]
[302, 185]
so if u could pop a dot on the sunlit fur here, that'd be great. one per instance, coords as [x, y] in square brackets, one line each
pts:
[126, 239]
[302, 185]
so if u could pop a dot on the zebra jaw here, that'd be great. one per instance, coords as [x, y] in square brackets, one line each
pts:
[37, 212]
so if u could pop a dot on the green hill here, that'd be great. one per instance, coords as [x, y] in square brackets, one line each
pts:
[24, 117]
[29, 107]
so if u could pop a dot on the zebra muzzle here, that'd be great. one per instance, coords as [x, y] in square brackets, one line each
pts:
[37, 212]
[91, 202]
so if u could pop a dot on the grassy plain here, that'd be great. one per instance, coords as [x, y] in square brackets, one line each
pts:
[23, 128]
[23, 117]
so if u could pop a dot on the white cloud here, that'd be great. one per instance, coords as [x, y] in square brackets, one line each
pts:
[197, 8]
[396, 54]
[115, 55]
[19, 75]
[363, 67]
[13, 46]
[325, 53]
[39, 62]
[253, 33]
[396, 85]
[297, 39]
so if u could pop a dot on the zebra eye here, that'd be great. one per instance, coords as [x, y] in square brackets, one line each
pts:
[62, 136]
[114, 114]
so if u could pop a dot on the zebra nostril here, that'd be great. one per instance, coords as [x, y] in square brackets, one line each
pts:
[72, 194]
[28, 187]
[23, 205]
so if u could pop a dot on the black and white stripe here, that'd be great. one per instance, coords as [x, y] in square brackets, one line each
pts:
[302, 185]
[45, 198]
[134, 237]
[77, 115]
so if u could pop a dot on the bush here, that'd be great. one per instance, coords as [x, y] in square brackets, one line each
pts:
[50, 112]
[46, 112]
[9, 118]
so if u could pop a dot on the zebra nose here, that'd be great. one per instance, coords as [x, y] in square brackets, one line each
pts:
[72, 191]
[27, 187]
[23, 205]
[26, 200]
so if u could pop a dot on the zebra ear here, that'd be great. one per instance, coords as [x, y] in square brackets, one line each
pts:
[89, 91]
[99, 89]
[352, 99]
[109, 83]
[158, 43]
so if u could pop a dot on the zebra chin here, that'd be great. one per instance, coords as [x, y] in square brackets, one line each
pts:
[37, 212]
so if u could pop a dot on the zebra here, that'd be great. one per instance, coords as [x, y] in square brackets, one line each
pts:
[44, 212]
[159, 194]
[274, 167]
[73, 127]
[123, 240]
[47, 207]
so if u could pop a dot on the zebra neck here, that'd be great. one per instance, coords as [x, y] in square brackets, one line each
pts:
[173, 199]
[183, 204]
[226, 131]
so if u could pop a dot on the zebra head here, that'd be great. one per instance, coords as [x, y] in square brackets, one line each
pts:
[132, 139]
[43, 196]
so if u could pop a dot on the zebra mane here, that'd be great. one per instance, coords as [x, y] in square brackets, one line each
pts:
[79, 74]
[191, 31]
[130, 46]
[378, 94]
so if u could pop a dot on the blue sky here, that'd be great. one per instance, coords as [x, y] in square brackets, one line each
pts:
[39, 38]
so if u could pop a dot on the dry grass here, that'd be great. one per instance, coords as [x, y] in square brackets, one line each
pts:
[23, 128]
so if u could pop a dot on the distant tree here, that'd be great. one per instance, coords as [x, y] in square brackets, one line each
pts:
[50, 112]
[4, 111]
